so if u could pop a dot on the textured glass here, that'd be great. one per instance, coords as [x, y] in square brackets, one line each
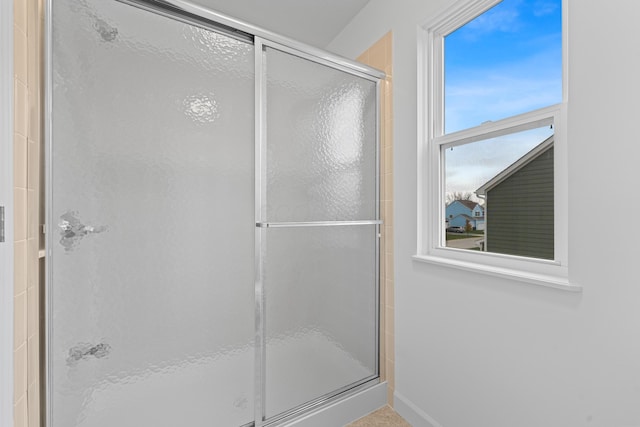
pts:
[321, 142]
[153, 208]
[320, 299]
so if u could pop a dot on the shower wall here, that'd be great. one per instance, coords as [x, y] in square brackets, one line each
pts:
[380, 56]
[27, 142]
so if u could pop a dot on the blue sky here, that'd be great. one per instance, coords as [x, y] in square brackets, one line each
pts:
[505, 62]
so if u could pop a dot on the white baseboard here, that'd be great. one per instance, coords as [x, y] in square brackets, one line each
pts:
[410, 412]
[346, 410]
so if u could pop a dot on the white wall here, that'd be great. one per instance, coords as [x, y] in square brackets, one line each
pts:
[481, 351]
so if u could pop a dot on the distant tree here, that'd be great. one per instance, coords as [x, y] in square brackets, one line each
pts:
[458, 195]
[468, 227]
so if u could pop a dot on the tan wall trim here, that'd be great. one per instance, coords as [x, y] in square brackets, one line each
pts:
[379, 56]
[28, 22]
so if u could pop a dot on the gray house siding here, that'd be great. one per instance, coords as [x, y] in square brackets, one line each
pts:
[519, 211]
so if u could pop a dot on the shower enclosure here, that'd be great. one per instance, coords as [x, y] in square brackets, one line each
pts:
[212, 220]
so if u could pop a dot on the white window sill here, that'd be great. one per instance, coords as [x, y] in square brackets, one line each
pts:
[555, 282]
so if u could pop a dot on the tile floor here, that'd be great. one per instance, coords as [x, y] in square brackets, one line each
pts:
[383, 417]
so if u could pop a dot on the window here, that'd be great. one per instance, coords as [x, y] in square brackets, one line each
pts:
[492, 143]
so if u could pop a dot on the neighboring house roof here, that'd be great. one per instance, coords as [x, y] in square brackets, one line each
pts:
[470, 204]
[516, 166]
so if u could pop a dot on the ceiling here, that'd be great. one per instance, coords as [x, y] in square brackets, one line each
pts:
[315, 22]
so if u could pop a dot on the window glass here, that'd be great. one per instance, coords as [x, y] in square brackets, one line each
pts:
[494, 172]
[509, 181]
[505, 62]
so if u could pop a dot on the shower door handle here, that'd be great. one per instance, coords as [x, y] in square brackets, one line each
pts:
[85, 350]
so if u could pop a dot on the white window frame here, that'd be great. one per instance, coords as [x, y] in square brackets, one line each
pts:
[431, 243]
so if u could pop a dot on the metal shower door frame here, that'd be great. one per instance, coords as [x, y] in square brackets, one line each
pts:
[322, 58]
[200, 16]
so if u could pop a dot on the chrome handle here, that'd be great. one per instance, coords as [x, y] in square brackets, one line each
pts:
[84, 350]
[72, 230]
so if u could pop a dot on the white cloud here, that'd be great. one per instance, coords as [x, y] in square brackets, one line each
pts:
[505, 17]
[470, 166]
[474, 96]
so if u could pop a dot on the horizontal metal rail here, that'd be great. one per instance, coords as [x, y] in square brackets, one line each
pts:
[239, 29]
[315, 223]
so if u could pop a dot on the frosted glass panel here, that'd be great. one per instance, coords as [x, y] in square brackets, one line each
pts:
[321, 150]
[152, 285]
[320, 299]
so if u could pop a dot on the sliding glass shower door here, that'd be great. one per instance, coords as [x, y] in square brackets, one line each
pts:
[152, 236]
[319, 231]
[213, 224]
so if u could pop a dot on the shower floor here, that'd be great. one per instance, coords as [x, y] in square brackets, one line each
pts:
[383, 417]
[303, 367]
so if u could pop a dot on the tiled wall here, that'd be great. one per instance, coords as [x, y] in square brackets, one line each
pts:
[27, 140]
[379, 56]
